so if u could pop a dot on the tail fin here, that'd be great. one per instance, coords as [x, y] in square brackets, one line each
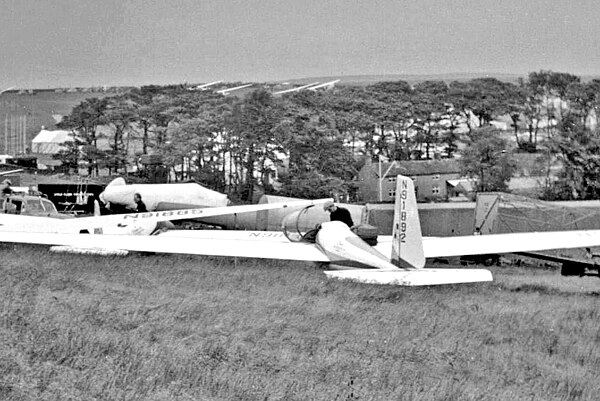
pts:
[407, 241]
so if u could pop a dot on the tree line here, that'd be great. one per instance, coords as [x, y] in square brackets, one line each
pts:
[238, 145]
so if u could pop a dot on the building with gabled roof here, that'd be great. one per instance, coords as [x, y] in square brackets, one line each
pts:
[50, 141]
[433, 179]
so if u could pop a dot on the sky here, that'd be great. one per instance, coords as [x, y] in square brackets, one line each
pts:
[68, 43]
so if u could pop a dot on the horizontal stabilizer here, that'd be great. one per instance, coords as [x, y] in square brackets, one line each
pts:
[415, 277]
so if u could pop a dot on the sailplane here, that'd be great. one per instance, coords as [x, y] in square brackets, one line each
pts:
[398, 259]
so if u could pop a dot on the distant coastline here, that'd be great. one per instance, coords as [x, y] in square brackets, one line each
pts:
[361, 80]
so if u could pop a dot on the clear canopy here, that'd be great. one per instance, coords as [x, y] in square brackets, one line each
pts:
[294, 224]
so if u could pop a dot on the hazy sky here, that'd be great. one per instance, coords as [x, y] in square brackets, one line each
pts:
[51, 43]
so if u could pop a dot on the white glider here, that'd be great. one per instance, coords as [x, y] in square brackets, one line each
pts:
[398, 259]
[227, 91]
[325, 85]
[162, 196]
[205, 86]
[131, 224]
[296, 89]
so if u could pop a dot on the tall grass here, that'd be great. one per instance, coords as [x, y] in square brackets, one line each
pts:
[190, 328]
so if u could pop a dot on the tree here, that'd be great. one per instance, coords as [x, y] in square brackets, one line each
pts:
[450, 135]
[255, 141]
[484, 98]
[532, 113]
[487, 159]
[392, 111]
[583, 98]
[83, 122]
[143, 112]
[70, 155]
[119, 117]
[428, 106]
[551, 90]
[319, 163]
[578, 151]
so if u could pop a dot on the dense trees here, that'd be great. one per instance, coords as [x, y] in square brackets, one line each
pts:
[84, 121]
[238, 145]
[486, 158]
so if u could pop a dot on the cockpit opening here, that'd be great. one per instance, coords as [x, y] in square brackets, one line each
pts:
[297, 227]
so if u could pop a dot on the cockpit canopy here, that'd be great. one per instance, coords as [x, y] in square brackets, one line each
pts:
[295, 225]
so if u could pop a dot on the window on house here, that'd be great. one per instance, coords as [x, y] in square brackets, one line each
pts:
[435, 177]
[392, 193]
[392, 179]
[435, 190]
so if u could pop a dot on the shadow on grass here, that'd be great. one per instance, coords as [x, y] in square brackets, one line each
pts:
[546, 290]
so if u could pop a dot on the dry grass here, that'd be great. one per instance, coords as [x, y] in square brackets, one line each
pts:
[190, 328]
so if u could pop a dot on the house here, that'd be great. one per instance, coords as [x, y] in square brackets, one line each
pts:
[50, 142]
[433, 179]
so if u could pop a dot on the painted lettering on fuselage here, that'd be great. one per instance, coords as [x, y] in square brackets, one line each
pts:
[265, 234]
[167, 213]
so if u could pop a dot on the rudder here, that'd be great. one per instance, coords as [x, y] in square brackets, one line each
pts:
[407, 241]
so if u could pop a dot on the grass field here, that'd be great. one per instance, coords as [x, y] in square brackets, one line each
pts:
[191, 328]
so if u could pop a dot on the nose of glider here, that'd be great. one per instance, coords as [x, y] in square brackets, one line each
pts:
[131, 227]
[143, 228]
[342, 246]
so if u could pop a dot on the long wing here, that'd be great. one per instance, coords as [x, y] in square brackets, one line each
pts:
[243, 244]
[467, 245]
[220, 246]
[506, 243]
[435, 247]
